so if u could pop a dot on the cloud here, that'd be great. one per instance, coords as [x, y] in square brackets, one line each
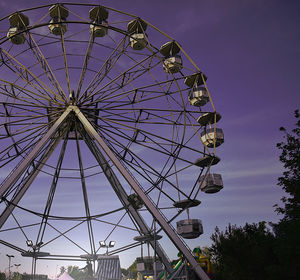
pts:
[4, 173]
[244, 169]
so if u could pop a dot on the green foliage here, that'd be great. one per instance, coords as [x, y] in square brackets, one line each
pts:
[62, 269]
[124, 271]
[16, 276]
[2, 276]
[74, 271]
[132, 270]
[290, 181]
[287, 248]
[288, 229]
[243, 253]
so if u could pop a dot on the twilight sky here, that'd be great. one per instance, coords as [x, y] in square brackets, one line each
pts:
[250, 51]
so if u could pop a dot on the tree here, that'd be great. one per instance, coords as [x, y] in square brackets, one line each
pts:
[2, 276]
[242, 253]
[124, 271]
[287, 231]
[132, 270]
[290, 181]
[77, 273]
[62, 270]
[74, 272]
[17, 276]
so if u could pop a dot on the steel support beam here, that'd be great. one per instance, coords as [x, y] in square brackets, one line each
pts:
[12, 246]
[16, 174]
[148, 203]
[122, 195]
[18, 196]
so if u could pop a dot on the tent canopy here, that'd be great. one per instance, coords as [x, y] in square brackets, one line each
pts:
[65, 276]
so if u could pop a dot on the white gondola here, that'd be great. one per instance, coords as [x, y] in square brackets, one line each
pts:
[147, 237]
[57, 24]
[209, 118]
[211, 136]
[18, 23]
[136, 26]
[211, 183]
[99, 31]
[196, 79]
[138, 38]
[207, 161]
[15, 37]
[138, 41]
[186, 203]
[172, 64]
[198, 96]
[145, 264]
[98, 15]
[169, 49]
[189, 228]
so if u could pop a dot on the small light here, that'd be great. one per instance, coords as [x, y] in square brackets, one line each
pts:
[112, 244]
[29, 243]
[102, 243]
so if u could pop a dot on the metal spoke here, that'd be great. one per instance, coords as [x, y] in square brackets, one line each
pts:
[85, 65]
[46, 67]
[125, 78]
[104, 70]
[25, 74]
[63, 46]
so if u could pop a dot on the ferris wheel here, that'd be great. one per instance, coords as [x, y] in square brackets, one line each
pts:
[108, 130]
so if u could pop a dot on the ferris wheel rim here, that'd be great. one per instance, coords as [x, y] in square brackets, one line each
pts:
[114, 117]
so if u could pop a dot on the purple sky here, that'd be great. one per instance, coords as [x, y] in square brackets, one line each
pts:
[250, 51]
